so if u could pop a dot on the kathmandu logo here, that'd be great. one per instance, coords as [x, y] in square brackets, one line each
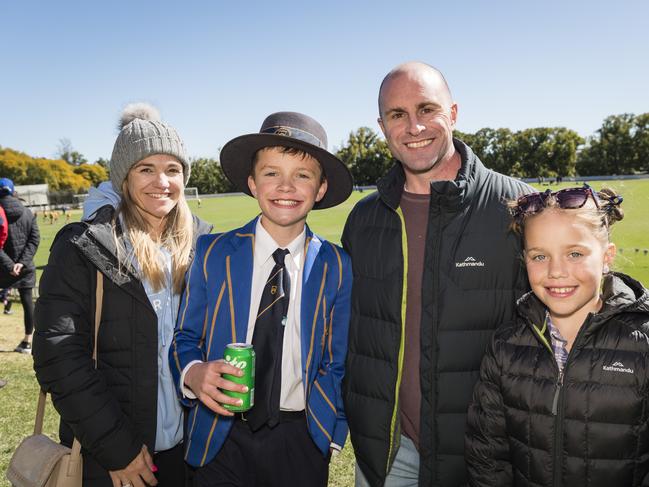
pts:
[469, 262]
[617, 367]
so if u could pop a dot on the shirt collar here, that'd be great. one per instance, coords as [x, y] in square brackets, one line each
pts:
[265, 245]
[554, 331]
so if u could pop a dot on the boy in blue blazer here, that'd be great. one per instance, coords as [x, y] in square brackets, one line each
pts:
[275, 284]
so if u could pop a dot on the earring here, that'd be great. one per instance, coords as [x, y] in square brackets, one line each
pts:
[606, 270]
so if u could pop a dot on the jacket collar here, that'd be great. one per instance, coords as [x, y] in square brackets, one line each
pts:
[623, 294]
[246, 234]
[450, 195]
[97, 244]
[241, 257]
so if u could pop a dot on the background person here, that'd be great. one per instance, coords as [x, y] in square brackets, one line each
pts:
[17, 268]
[4, 227]
[124, 412]
[4, 230]
[435, 271]
[562, 397]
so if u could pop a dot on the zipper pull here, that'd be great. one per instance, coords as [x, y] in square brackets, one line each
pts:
[557, 390]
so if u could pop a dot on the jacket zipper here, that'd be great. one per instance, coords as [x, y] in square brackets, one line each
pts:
[557, 392]
[435, 308]
[402, 341]
[558, 409]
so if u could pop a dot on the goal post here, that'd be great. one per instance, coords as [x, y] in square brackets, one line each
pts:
[191, 193]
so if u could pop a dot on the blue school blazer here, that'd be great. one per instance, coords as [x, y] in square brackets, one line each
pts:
[214, 312]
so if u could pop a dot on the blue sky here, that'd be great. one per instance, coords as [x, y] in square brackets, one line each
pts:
[215, 69]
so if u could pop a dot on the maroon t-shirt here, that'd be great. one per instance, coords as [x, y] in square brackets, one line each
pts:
[415, 209]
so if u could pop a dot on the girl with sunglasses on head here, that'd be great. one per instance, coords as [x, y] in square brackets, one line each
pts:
[563, 395]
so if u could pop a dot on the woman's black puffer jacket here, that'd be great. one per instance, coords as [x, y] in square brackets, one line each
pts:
[527, 427]
[112, 410]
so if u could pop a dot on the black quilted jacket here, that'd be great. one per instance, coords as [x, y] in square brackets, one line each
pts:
[590, 429]
[21, 245]
[472, 277]
[111, 410]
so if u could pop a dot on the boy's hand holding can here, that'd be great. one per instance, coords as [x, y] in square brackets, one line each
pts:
[241, 356]
[207, 382]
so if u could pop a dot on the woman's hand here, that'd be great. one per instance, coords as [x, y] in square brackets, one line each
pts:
[206, 382]
[138, 473]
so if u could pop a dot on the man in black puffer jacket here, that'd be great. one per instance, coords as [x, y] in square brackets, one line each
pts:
[17, 268]
[435, 271]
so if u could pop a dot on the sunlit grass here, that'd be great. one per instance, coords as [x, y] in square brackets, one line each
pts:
[18, 398]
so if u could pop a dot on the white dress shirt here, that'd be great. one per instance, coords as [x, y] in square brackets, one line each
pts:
[292, 391]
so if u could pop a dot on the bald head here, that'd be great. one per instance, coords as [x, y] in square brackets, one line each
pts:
[424, 73]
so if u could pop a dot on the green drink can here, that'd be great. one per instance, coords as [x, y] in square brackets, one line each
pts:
[242, 356]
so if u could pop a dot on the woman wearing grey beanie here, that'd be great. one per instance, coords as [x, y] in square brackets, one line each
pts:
[124, 412]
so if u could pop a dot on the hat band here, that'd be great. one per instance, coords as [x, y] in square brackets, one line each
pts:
[294, 133]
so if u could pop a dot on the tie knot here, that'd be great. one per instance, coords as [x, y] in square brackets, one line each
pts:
[279, 255]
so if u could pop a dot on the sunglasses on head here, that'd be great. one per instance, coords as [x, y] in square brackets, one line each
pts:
[567, 199]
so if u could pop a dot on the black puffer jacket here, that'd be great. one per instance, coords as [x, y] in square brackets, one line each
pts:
[21, 245]
[528, 429]
[111, 410]
[471, 280]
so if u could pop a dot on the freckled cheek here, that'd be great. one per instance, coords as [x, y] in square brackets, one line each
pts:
[535, 273]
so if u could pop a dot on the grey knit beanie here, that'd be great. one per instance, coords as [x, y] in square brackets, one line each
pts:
[143, 134]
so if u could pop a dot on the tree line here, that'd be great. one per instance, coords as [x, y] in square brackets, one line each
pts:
[619, 146]
[59, 174]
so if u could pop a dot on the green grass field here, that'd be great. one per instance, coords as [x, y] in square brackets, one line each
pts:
[18, 398]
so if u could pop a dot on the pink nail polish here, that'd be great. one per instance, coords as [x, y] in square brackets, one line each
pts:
[154, 469]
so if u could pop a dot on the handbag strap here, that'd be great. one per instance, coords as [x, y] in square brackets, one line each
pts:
[75, 455]
[99, 301]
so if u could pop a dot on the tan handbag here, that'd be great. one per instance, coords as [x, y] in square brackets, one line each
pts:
[41, 462]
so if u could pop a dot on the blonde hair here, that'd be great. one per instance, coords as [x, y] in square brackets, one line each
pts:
[176, 236]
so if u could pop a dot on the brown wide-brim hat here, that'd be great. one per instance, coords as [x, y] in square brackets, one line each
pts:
[288, 129]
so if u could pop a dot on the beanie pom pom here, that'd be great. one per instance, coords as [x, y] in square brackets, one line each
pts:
[142, 111]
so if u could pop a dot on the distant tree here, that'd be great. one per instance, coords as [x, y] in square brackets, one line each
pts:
[547, 151]
[103, 163]
[39, 172]
[208, 177]
[496, 148]
[24, 169]
[13, 165]
[60, 176]
[94, 173]
[64, 149]
[68, 154]
[366, 155]
[612, 149]
[641, 141]
[469, 139]
[544, 151]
